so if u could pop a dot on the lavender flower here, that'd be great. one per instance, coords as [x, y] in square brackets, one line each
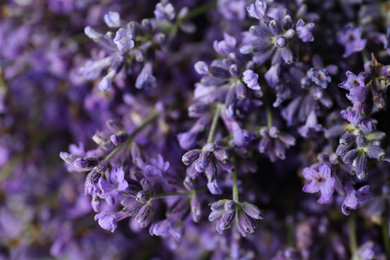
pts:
[320, 180]
[351, 38]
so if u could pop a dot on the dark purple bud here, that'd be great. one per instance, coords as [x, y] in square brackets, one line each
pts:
[273, 132]
[264, 144]
[375, 151]
[287, 22]
[228, 166]
[102, 166]
[279, 149]
[203, 162]
[230, 102]
[363, 193]
[91, 183]
[219, 72]
[133, 188]
[196, 209]
[221, 155]
[86, 163]
[214, 188]
[230, 206]
[210, 147]
[145, 215]
[189, 183]
[131, 206]
[242, 137]
[245, 224]
[342, 149]
[350, 156]
[143, 196]
[145, 184]
[280, 42]
[252, 210]
[198, 109]
[211, 171]
[240, 91]
[95, 203]
[347, 139]
[233, 70]
[361, 141]
[218, 205]
[146, 25]
[226, 220]
[361, 165]
[275, 27]
[380, 100]
[119, 138]
[192, 172]
[159, 38]
[287, 139]
[214, 215]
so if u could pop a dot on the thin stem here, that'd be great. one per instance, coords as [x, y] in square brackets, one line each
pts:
[385, 236]
[147, 121]
[235, 186]
[200, 10]
[352, 233]
[214, 123]
[268, 109]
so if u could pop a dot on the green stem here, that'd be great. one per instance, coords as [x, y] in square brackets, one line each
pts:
[268, 109]
[385, 236]
[235, 186]
[214, 123]
[147, 121]
[200, 10]
[352, 233]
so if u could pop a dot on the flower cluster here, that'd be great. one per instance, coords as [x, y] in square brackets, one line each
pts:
[223, 129]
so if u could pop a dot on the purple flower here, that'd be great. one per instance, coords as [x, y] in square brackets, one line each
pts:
[304, 31]
[156, 168]
[320, 180]
[258, 10]
[107, 220]
[351, 38]
[145, 78]
[123, 39]
[232, 9]
[164, 10]
[353, 197]
[251, 79]
[113, 186]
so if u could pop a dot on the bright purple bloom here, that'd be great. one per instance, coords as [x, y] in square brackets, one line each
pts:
[351, 38]
[123, 39]
[320, 180]
[164, 10]
[108, 220]
[304, 31]
[114, 185]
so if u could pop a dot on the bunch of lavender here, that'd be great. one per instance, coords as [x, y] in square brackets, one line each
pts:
[206, 123]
